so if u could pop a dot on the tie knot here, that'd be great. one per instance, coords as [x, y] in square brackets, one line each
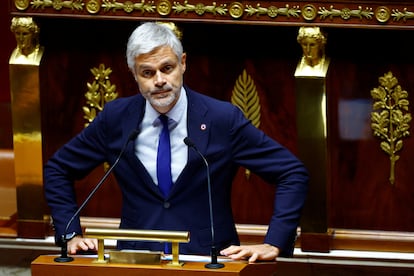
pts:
[164, 119]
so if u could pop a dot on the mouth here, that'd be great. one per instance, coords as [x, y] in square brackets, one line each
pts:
[160, 94]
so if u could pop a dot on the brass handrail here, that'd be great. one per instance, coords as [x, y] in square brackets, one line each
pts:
[175, 237]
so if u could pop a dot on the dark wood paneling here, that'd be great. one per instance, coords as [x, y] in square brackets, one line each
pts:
[72, 49]
[7, 45]
[361, 196]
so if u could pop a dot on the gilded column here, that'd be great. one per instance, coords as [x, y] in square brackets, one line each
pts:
[24, 67]
[310, 88]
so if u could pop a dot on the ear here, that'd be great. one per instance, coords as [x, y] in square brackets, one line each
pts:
[183, 62]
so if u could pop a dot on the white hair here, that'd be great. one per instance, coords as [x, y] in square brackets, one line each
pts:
[149, 36]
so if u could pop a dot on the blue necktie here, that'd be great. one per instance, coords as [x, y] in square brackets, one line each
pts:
[164, 158]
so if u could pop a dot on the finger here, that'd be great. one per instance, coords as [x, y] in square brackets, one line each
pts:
[72, 248]
[230, 250]
[95, 243]
[241, 254]
[253, 257]
[83, 245]
[90, 243]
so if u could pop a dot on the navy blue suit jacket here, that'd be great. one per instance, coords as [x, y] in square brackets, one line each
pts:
[228, 141]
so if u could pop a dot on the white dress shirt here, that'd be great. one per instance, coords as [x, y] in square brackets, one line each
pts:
[146, 143]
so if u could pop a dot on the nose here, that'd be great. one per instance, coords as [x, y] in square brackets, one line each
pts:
[159, 79]
[20, 36]
[307, 49]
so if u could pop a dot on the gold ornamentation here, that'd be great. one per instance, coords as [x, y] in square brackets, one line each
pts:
[273, 11]
[93, 6]
[128, 6]
[200, 8]
[309, 12]
[58, 4]
[21, 5]
[245, 97]
[174, 28]
[236, 10]
[28, 50]
[382, 14]
[345, 13]
[313, 63]
[164, 7]
[99, 92]
[388, 120]
[404, 15]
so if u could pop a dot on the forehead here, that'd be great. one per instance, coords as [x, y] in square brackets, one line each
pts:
[309, 40]
[22, 29]
[159, 55]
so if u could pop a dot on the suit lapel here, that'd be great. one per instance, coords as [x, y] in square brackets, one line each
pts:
[198, 125]
[132, 122]
[133, 119]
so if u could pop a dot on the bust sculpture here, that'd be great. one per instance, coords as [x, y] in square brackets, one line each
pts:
[313, 61]
[28, 49]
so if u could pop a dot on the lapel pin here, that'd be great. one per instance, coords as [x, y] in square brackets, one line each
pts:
[203, 127]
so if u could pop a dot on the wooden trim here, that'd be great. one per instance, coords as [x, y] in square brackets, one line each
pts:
[365, 14]
[392, 241]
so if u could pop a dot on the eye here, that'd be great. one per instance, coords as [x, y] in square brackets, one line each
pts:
[167, 69]
[147, 73]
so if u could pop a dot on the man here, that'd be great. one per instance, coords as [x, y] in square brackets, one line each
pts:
[219, 131]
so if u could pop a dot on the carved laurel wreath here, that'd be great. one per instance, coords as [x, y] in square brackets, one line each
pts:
[388, 120]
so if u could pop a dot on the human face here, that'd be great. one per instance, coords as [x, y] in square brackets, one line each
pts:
[24, 39]
[159, 75]
[311, 50]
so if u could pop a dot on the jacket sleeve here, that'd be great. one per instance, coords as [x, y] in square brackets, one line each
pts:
[273, 162]
[72, 162]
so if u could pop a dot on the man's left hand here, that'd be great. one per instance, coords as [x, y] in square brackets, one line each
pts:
[262, 252]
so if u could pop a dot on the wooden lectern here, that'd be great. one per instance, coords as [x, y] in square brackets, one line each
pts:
[45, 265]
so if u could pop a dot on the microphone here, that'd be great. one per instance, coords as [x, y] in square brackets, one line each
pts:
[213, 263]
[64, 250]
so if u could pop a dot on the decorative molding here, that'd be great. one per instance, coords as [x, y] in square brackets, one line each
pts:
[100, 91]
[245, 97]
[273, 11]
[200, 8]
[390, 120]
[128, 6]
[402, 15]
[345, 13]
[56, 4]
[366, 13]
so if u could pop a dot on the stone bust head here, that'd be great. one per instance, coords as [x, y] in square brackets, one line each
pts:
[313, 42]
[26, 33]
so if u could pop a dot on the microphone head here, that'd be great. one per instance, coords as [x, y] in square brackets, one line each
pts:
[188, 142]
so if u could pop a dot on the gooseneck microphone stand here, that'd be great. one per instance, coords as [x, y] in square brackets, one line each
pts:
[65, 238]
[64, 258]
[213, 264]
